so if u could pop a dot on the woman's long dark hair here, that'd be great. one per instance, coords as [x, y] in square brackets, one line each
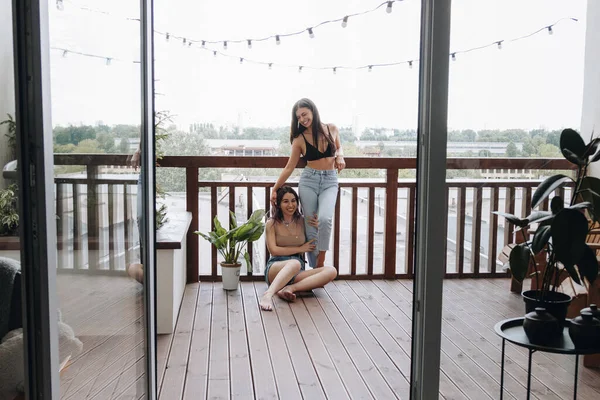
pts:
[317, 127]
[276, 212]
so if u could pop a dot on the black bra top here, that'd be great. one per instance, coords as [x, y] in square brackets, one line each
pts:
[313, 153]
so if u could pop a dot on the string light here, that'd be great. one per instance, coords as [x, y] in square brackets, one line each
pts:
[225, 45]
[277, 41]
[184, 41]
[300, 69]
[343, 20]
[190, 43]
[310, 33]
[497, 43]
[249, 43]
[167, 36]
[60, 5]
[550, 31]
[204, 44]
[241, 60]
[108, 59]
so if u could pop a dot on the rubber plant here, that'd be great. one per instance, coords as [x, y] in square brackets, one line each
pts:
[561, 233]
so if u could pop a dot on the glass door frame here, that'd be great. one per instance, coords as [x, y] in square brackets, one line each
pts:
[431, 186]
[36, 196]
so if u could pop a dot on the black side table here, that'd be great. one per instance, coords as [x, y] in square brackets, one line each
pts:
[512, 330]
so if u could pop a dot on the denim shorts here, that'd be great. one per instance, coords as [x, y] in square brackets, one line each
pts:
[282, 258]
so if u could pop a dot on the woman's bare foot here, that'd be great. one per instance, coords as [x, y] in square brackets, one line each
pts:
[265, 302]
[286, 294]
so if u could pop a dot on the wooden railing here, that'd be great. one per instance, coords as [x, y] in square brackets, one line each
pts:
[357, 249]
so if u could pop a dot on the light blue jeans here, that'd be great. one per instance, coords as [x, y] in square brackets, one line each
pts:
[318, 193]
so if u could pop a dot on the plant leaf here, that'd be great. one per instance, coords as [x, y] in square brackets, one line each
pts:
[519, 262]
[590, 190]
[540, 239]
[580, 206]
[248, 262]
[591, 147]
[572, 273]
[571, 140]
[572, 157]
[536, 216]
[548, 186]
[556, 204]
[569, 231]
[588, 265]
[513, 219]
[232, 220]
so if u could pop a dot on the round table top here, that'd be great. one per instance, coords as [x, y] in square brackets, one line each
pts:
[512, 330]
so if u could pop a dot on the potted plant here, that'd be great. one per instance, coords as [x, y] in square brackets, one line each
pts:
[230, 244]
[560, 237]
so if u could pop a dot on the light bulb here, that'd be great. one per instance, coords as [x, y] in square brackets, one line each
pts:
[550, 31]
[410, 63]
[60, 5]
[300, 69]
[334, 70]
[270, 65]
[204, 44]
[108, 61]
[214, 53]
[277, 39]
[189, 43]
[184, 41]
[345, 22]
[249, 43]
[167, 36]
[310, 33]
[65, 52]
[388, 9]
[500, 45]
[225, 45]
[241, 60]
[370, 68]
[453, 56]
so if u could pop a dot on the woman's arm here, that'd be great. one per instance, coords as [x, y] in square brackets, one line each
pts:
[340, 163]
[275, 250]
[289, 168]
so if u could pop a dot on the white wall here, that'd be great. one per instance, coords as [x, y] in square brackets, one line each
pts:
[590, 115]
[7, 86]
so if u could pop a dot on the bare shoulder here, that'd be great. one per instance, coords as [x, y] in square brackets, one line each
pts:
[270, 223]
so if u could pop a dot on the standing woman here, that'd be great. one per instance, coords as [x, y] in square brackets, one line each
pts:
[320, 145]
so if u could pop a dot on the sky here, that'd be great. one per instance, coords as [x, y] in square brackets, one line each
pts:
[532, 83]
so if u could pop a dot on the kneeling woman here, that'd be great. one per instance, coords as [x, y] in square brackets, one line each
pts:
[287, 244]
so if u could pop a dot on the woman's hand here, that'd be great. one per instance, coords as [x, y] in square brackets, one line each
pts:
[308, 246]
[313, 220]
[274, 198]
[340, 164]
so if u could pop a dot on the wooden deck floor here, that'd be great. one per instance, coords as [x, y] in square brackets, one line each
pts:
[350, 340]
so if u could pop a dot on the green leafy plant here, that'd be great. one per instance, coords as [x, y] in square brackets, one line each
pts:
[561, 233]
[9, 212]
[11, 135]
[230, 243]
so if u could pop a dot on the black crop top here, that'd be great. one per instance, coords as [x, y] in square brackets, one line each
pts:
[313, 153]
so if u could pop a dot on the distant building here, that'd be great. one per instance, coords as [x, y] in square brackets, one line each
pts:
[238, 147]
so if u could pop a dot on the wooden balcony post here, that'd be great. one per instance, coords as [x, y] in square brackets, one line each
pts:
[191, 189]
[391, 223]
[93, 214]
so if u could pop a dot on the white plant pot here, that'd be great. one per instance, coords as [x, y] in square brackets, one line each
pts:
[231, 275]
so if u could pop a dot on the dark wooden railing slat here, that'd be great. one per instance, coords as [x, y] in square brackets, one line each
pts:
[249, 211]
[509, 207]
[213, 212]
[493, 230]
[191, 205]
[336, 233]
[126, 231]
[354, 232]
[391, 222]
[461, 194]
[476, 231]
[112, 262]
[371, 231]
